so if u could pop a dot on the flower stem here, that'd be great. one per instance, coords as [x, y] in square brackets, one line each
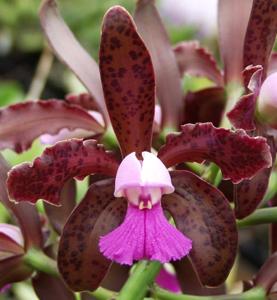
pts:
[39, 261]
[256, 293]
[260, 216]
[137, 285]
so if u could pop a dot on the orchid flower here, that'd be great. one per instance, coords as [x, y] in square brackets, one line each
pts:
[123, 220]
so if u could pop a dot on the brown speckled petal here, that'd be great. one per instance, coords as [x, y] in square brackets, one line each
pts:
[197, 61]
[26, 214]
[43, 282]
[206, 105]
[233, 18]
[261, 33]
[128, 81]
[249, 193]
[203, 214]
[238, 155]
[84, 100]
[80, 262]
[58, 215]
[70, 52]
[169, 90]
[21, 123]
[45, 177]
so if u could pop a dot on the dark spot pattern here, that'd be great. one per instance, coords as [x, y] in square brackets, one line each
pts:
[243, 114]
[261, 33]
[237, 154]
[197, 61]
[206, 105]
[45, 177]
[21, 123]
[249, 193]
[203, 214]
[79, 260]
[128, 81]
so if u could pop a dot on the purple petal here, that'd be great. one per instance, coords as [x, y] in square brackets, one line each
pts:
[45, 177]
[238, 155]
[26, 215]
[206, 105]
[80, 262]
[233, 18]
[128, 81]
[260, 35]
[168, 281]
[23, 122]
[202, 213]
[144, 234]
[168, 83]
[11, 241]
[197, 61]
[70, 52]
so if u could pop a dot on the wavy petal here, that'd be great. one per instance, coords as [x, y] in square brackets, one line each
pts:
[21, 123]
[45, 177]
[128, 81]
[203, 214]
[169, 91]
[238, 155]
[197, 61]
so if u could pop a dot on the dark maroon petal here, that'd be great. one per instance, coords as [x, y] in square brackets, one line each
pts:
[21, 123]
[233, 18]
[243, 114]
[204, 215]
[45, 177]
[260, 35]
[128, 81]
[84, 100]
[80, 262]
[12, 270]
[238, 155]
[273, 231]
[197, 61]
[206, 105]
[189, 281]
[25, 214]
[116, 277]
[8, 245]
[70, 52]
[47, 287]
[168, 83]
[58, 215]
[267, 275]
[249, 193]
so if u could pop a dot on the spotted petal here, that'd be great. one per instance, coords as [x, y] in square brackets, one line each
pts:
[21, 123]
[81, 264]
[203, 214]
[238, 155]
[169, 91]
[25, 214]
[260, 35]
[128, 81]
[45, 177]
